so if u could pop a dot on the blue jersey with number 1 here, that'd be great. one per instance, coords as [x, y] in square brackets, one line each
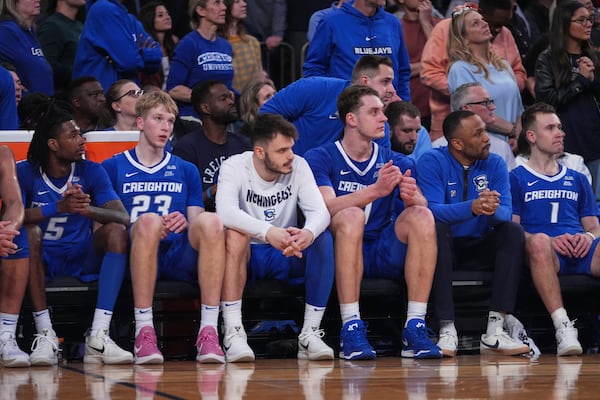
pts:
[551, 204]
[171, 185]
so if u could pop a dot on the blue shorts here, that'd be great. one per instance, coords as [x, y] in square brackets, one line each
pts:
[73, 259]
[577, 266]
[384, 256]
[23, 246]
[177, 259]
[267, 262]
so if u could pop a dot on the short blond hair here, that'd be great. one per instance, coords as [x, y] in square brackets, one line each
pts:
[153, 99]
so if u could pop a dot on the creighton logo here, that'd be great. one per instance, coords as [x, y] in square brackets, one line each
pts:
[269, 214]
[481, 182]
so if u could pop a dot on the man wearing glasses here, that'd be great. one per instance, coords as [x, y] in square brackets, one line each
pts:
[473, 97]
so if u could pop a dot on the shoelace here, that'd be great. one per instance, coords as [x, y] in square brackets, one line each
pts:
[148, 337]
[317, 332]
[207, 338]
[237, 331]
[40, 339]
[8, 344]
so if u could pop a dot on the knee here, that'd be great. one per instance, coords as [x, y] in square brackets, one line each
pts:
[537, 247]
[34, 237]
[117, 237]
[419, 218]
[207, 225]
[348, 223]
[148, 227]
[513, 232]
[236, 242]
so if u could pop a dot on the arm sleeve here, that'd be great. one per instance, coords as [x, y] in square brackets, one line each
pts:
[319, 51]
[545, 90]
[181, 64]
[228, 203]
[501, 183]
[433, 182]
[402, 78]
[279, 18]
[310, 200]
[460, 72]
[291, 101]
[434, 60]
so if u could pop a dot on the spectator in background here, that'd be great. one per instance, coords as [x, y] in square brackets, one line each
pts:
[118, 111]
[157, 22]
[537, 13]
[17, 81]
[247, 64]
[473, 59]
[335, 49]
[200, 55]
[253, 97]
[28, 109]
[20, 47]
[566, 78]
[435, 62]
[267, 21]
[417, 23]
[113, 45]
[209, 146]
[318, 16]
[86, 97]
[8, 105]
[59, 36]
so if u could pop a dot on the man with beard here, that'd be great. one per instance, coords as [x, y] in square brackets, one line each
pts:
[469, 194]
[407, 135]
[212, 144]
[260, 192]
[86, 97]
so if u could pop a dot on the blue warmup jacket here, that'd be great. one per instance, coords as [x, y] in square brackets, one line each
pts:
[311, 105]
[346, 34]
[450, 188]
[110, 47]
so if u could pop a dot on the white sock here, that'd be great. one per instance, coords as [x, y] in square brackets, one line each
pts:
[232, 313]
[8, 323]
[143, 317]
[209, 316]
[312, 317]
[447, 326]
[559, 317]
[495, 321]
[349, 312]
[415, 309]
[101, 321]
[42, 320]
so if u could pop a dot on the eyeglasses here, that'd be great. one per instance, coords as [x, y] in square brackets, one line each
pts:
[485, 103]
[462, 8]
[133, 93]
[583, 21]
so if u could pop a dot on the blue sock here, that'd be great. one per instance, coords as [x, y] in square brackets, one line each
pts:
[111, 277]
[318, 278]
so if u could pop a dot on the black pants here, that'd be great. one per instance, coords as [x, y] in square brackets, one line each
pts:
[500, 250]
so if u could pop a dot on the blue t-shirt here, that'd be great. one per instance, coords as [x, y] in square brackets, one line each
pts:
[195, 60]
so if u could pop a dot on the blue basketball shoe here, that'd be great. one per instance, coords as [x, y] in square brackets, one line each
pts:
[416, 342]
[353, 342]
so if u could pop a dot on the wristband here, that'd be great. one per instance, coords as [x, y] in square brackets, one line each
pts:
[590, 234]
[49, 210]
[208, 196]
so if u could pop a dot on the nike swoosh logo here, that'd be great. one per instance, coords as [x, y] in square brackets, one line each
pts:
[144, 311]
[342, 172]
[137, 349]
[494, 346]
[333, 116]
[451, 183]
[130, 174]
[229, 305]
[43, 192]
[97, 349]
[532, 183]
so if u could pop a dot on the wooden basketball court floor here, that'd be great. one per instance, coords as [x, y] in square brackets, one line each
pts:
[463, 377]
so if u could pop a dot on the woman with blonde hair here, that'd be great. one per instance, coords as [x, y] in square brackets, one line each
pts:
[201, 55]
[472, 59]
[254, 95]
